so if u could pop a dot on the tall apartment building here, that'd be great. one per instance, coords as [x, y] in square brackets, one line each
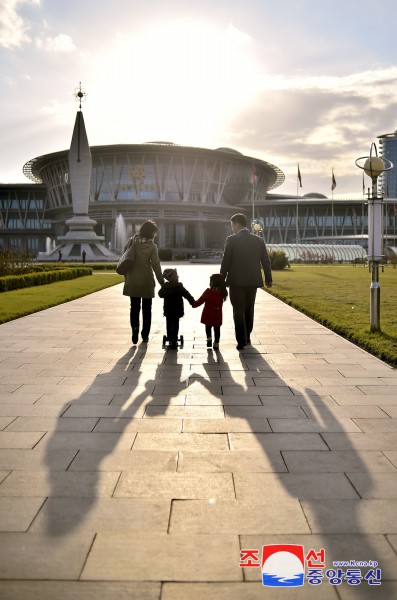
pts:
[388, 149]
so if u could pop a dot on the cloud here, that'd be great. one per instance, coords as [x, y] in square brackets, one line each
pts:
[13, 28]
[59, 43]
[317, 121]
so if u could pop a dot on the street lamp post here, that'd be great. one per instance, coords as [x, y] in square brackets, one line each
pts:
[374, 166]
[256, 227]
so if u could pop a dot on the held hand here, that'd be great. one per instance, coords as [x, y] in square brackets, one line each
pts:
[268, 284]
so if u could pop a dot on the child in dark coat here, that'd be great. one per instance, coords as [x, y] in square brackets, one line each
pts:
[213, 299]
[173, 293]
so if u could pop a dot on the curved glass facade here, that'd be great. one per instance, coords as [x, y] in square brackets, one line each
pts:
[320, 252]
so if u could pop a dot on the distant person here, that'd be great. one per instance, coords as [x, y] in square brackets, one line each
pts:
[213, 299]
[139, 282]
[83, 256]
[173, 293]
[59, 256]
[244, 255]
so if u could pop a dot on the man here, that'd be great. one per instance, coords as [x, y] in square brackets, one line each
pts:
[244, 254]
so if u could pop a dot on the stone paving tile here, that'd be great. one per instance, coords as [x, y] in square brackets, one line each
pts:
[374, 485]
[277, 441]
[391, 411]
[51, 423]
[25, 460]
[393, 541]
[101, 410]
[311, 425]
[9, 398]
[62, 516]
[387, 591]
[167, 486]
[252, 486]
[338, 461]
[181, 441]
[351, 516]
[381, 390]
[59, 483]
[62, 440]
[11, 439]
[233, 461]
[222, 401]
[79, 590]
[239, 591]
[129, 557]
[37, 556]
[5, 422]
[305, 401]
[27, 379]
[377, 425]
[8, 388]
[136, 425]
[352, 411]
[26, 410]
[182, 412]
[361, 441]
[83, 399]
[363, 399]
[132, 460]
[273, 410]
[233, 516]
[16, 514]
[225, 425]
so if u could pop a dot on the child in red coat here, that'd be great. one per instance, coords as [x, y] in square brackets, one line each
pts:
[213, 299]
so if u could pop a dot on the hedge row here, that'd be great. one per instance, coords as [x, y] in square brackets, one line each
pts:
[15, 282]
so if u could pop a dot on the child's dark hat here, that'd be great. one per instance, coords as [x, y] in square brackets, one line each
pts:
[168, 273]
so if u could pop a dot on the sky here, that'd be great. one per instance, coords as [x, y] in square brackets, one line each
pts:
[286, 81]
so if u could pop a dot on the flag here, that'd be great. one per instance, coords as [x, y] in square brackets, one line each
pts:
[333, 186]
[299, 176]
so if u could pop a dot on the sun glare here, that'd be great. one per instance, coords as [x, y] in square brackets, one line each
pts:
[178, 81]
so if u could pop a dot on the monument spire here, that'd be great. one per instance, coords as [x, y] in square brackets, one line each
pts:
[81, 236]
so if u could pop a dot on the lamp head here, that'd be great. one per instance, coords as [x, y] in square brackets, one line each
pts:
[374, 166]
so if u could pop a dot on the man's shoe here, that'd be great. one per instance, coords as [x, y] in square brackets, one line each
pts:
[135, 335]
[240, 347]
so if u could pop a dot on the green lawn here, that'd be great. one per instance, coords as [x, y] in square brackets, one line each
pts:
[19, 303]
[338, 297]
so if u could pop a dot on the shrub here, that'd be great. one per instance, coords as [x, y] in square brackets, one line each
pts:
[165, 253]
[14, 282]
[278, 259]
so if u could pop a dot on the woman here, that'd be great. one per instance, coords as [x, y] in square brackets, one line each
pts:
[139, 282]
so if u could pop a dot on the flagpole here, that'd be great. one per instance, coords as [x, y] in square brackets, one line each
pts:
[253, 190]
[332, 203]
[297, 238]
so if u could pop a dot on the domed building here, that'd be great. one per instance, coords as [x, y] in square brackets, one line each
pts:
[190, 192]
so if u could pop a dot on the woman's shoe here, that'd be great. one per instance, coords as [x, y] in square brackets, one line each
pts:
[209, 342]
[216, 346]
[135, 335]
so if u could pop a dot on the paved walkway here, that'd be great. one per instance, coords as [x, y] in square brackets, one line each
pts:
[133, 473]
